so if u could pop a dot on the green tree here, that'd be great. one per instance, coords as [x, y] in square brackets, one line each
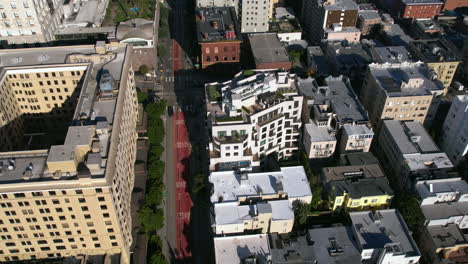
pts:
[162, 51]
[316, 198]
[301, 213]
[143, 69]
[142, 96]
[408, 206]
[152, 220]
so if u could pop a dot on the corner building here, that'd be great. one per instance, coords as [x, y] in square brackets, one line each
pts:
[67, 131]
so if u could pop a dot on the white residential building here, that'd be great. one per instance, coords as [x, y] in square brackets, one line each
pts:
[384, 238]
[241, 249]
[252, 117]
[254, 16]
[218, 3]
[442, 190]
[455, 130]
[290, 183]
[29, 21]
[318, 142]
[270, 217]
[356, 138]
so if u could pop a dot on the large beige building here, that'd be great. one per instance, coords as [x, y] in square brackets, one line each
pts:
[401, 91]
[68, 118]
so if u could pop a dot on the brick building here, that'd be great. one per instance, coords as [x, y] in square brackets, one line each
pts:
[417, 8]
[218, 35]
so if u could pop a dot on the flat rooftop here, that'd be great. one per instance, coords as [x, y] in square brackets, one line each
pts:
[338, 96]
[434, 50]
[431, 188]
[318, 134]
[267, 48]
[446, 236]
[384, 229]
[357, 129]
[334, 245]
[428, 25]
[422, 2]
[341, 5]
[405, 79]
[235, 249]
[369, 14]
[340, 173]
[358, 188]
[444, 210]
[285, 26]
[216, 24]
[84, 13]
[358, 158]
[229, 186]
[391, 54]
[410, 137]
[349, 55]
[290, 248]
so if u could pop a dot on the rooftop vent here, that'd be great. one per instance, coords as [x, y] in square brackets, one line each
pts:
[11, 164]
[335, 249]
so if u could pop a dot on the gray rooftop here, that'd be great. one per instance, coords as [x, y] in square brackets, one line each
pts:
[358, 158]
[363, 129]
[341, 5]
[338, 95]
[350, 55]
[235, 249]
[319, 58]
[13, 167]
[369, 14]
[135, 28]
[334, 245]
[434, 50]
[267, 48]
[431, 188]
[396, 35]
[405, 79]
[383, 228]
[217, 24]
[340, 173]
[410, 137]
[446, 236]
[440, 211]
[391, 54]
[290, 248]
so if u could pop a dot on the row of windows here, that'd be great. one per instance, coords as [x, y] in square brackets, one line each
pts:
[216, 58]
[40, 194]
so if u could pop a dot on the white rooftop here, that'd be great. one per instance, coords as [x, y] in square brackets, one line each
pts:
[228, 185]
[357, 129]
[318, 134]
[234, 249]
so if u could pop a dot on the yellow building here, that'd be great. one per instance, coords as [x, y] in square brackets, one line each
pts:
[440, 55]
[69, 146]
[357, 187]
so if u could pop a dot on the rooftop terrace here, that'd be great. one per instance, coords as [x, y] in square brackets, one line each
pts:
[217, 24]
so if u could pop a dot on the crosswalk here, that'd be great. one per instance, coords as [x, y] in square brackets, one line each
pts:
[180, 78]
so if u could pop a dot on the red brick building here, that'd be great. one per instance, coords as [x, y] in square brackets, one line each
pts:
[454, 4]
[218, 36]
[420, 8]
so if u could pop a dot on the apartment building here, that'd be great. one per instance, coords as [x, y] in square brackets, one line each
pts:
[442, 191]
[268, 217]
[319, 15]
[357, 187]
[69, 142]
[417, 8]
[328, 109]
[442, 214]
[254, 15]
[219, 3]
[218, 35]
[251, 117]
[455, 130]
[440, 55]
[337, 32]
[409, 154]
[445, 244]
[257, 201]
[383, 237]
[402, 91]
[390, 54]
[29, 21]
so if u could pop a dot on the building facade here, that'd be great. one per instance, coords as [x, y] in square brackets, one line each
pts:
[367, 19]
[455, 130]
[69, 195]
[29, 21]
[254, 16]
[442, 191]
[419, 9]
[251, 117]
